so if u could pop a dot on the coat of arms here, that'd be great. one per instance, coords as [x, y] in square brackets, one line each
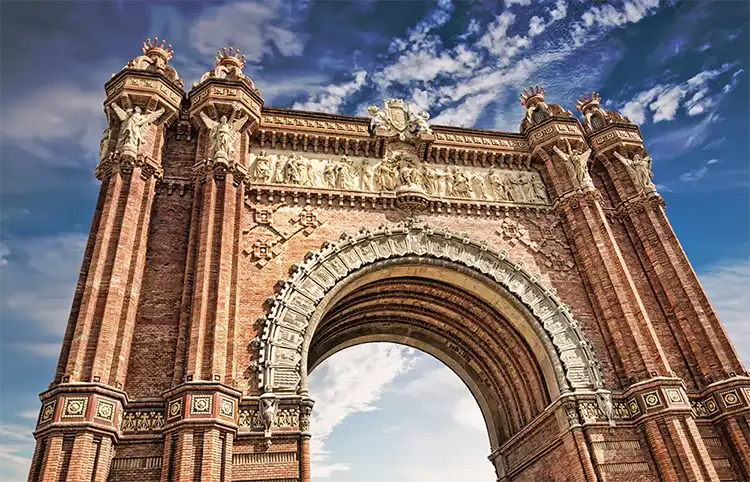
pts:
[398, 118]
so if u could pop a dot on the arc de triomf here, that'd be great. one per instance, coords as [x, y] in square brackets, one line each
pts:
[235, 246]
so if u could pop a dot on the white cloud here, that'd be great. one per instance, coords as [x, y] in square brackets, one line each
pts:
[727, 284]
[253, 27]
[38, 284]
[271, 89]
[466, 412]
[350, 382]
[46, 119]
[333, 96]
[536, 26]
[16, 446]
[510, 3]
[666, 103]
[497, 41]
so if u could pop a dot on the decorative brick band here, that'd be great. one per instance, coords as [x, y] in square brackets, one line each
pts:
[136, 463]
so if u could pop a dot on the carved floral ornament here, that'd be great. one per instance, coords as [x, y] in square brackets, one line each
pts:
[285, 327]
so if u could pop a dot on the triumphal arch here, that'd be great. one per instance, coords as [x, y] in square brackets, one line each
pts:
[235, 246]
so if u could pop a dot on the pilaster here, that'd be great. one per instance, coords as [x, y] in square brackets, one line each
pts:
[702, 339]
[557, 139]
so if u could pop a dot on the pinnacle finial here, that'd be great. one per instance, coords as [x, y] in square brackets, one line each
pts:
[152, 47]
[533, 93]
[230, 55]
[587, 100]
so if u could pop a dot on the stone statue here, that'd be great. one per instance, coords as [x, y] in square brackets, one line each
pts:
[421, 124]
[639, 169]
[306, 172]
[578, 161]
[430, 179]
[497, 184]
[223, 133]
[329, 173]
[527, 188]
[379, 118]
[104, 143]
[605, 405]
[386, 174]
[343, 172]
[268, 407]
[367, 176]
[450, 180]
[408, 173]
[293, 170]
[279, 174]
[540, 192]
[462, 184]
[478, 185]
[134, 125]
[262, 170]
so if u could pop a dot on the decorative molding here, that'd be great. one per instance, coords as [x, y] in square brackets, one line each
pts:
[139, 422]
[74, 407]
[263, 458]
[201, 404]
[287, 320]
[105, 410]
[47, 412]
[136, 463]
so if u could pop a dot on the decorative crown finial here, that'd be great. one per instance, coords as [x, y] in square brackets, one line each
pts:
[588, 100]
[151, 47]
[536, 92]
[230, 55]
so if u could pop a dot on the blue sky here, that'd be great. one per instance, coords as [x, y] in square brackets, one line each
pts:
[679, 69]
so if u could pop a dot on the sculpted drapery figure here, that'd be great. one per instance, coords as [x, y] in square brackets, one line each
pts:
[134, 125]
[223, 133]
[367, 176]
[104, 143]
[263, 169]
[386, 174]
[639, 169]
[497, 184]
[293, 170]
[578, 161]
[343, 174]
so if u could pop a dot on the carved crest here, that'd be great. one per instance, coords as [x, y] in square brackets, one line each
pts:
[397, 119]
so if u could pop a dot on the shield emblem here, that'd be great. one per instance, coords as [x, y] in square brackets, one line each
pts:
[396, 114]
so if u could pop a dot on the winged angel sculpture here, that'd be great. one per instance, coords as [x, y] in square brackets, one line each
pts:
[223, 133]
[639, 169]
[134, 125]
[578, 161]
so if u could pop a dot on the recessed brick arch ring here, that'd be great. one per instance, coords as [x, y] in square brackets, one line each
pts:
[566, 357]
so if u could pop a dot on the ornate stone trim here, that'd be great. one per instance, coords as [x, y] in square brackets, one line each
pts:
[285, 325]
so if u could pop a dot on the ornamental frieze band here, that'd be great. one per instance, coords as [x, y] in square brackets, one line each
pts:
[236, 246]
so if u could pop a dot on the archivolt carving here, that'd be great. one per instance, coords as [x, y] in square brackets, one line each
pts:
[285, 326]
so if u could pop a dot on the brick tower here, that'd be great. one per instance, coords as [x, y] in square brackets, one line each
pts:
[234, 247]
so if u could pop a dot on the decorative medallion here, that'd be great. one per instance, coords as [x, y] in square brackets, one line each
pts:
[633, 407]
[48, 411]
[652, 400]
[175, 409]
[711, 406]
[200, 405]
[105, 410]
[731, 399]
[226, 407]
[74, 407]
[674, 396]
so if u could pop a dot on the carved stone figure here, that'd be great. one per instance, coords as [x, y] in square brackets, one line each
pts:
[450, 181]
[134, 126]
[478, 185]
[293, 170]
[578, 161]
[527, 188]
[462, 184]
[398, 119]
[497, 185]
[343, 174]
[386, 174]
[223, 133]
[263, 169]
[606, 406]
[540, 192]
[430, 179]
[307, 175]
[104, 143]
[367, 176]
[408, 173]
[268, 407]
[329, 173]
[639, 169]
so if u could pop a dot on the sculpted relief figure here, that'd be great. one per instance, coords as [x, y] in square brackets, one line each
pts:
[263, 168]
[268, 408]
[396, 170]
[379, 118]
[104, 143]
[639, 169]
[397, 118]
[223, 133]
[578, 161]
[134, 125]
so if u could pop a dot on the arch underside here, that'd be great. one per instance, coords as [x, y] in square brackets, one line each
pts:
[511, 340]
[453, 325]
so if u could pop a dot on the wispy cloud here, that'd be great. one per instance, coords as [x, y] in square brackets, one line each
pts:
[16, 446]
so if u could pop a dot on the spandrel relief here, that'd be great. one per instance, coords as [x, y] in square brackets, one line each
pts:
[394, 171]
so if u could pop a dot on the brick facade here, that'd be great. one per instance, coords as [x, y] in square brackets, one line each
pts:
[540, 267]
